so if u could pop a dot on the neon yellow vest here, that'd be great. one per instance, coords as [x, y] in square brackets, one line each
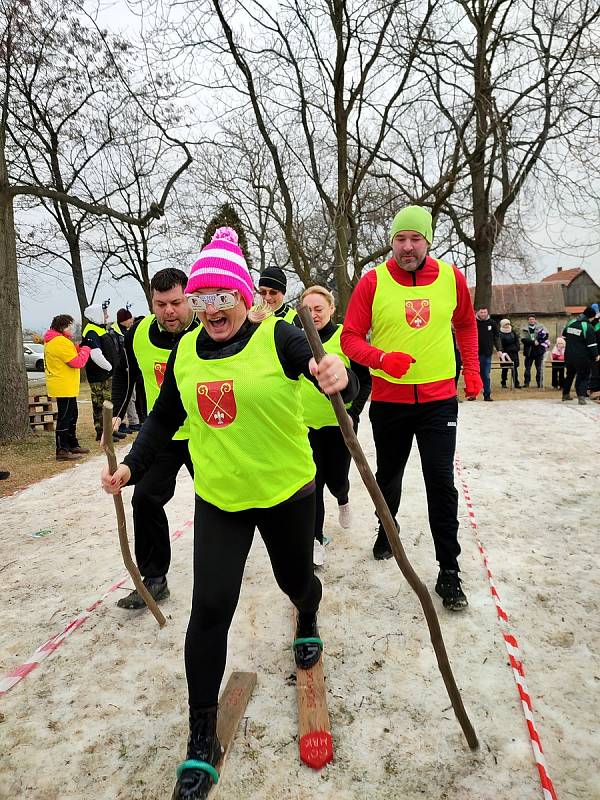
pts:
[289, 315]
[248, 442]
[416, 320]
[152, 362]
[91, 327]
[115, 327]
[317, 408]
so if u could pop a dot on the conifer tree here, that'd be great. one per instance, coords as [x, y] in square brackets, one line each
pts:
[227, 217]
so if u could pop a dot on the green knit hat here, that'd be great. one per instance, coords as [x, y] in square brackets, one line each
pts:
[413, 218]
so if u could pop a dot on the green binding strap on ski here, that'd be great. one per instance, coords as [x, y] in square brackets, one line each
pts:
[309, 640]
[203, 765]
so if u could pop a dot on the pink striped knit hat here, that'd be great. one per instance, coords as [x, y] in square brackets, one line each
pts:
[222, 265]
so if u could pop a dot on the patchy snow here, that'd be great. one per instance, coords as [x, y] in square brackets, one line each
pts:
[105, 715]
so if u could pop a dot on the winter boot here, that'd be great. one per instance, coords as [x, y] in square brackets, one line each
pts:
[157, 587]
[66, 455]
[449, 589]
[381, 548]
[196, 775]
[307, 644]
[581, 400]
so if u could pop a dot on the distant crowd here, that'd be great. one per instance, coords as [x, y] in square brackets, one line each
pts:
[575, 356]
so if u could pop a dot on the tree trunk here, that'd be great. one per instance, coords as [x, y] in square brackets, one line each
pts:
[77, 270]
[483, 279]
[14, 418]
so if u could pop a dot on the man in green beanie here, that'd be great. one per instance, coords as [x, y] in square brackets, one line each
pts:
[409, 303]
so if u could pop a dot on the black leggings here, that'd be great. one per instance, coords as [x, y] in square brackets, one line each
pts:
[434, 427]
[222, 541]
[332, 460]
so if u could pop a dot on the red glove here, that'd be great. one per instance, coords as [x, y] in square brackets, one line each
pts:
[473, 382]
[80, 360]
[396, 364]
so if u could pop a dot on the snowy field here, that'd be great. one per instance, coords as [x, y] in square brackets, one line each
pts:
[104, 716]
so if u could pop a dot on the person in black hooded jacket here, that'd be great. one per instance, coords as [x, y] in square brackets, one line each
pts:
[581, 351]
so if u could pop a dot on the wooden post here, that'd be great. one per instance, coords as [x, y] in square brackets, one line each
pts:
[385, 516]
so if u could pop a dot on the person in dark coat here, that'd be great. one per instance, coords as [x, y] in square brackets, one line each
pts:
[581, 351]
[533, 350]
[510, 346]
[488, 337]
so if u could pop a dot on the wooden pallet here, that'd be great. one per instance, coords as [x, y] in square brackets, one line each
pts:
[42, 412]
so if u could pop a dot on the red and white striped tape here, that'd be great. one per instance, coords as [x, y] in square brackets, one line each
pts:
[512, 647]
[49, 647]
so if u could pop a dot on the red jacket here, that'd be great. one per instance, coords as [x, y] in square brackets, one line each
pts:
[357, 324]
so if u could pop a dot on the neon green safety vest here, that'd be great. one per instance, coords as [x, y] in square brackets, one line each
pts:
[416, 320]
[152, 362]
[288, 316]
[91, 327]
[248, 443]
[317, 408]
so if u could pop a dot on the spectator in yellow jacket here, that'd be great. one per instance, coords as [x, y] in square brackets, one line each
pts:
[62, 361]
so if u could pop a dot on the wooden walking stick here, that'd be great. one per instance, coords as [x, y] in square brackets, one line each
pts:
[384, 514]
[107, 425]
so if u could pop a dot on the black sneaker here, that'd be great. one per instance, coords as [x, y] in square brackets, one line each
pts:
[381, 548]
[307, 645]
[449, 589]
[159, 590]
[197, 774]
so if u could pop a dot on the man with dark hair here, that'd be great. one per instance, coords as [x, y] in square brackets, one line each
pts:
[272, 286]
[532, 338]
[148, 344]
[488, 339]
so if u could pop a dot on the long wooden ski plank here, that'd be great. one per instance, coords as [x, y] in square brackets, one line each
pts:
[314, 727]
[232, 705]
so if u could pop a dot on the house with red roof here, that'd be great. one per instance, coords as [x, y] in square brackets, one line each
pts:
[579, 289]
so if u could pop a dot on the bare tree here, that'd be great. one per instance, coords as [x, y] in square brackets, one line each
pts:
[512, 80]
[28, 38]
[325, 83]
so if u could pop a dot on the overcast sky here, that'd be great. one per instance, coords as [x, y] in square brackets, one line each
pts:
[44, 295]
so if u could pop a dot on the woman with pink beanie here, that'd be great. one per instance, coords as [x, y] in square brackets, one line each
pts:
[237, 380]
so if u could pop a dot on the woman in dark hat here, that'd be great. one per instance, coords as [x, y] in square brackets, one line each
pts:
[272, 286]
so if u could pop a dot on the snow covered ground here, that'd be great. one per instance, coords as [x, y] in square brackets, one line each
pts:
[105, 715]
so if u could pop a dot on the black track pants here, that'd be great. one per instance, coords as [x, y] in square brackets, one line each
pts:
[151, 494]
[434, 426]
[222, 541]
[66, 423]
[580, 372]
[332, 460]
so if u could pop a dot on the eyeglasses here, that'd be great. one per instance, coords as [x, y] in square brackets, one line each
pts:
[268, 292]
[220, 301]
